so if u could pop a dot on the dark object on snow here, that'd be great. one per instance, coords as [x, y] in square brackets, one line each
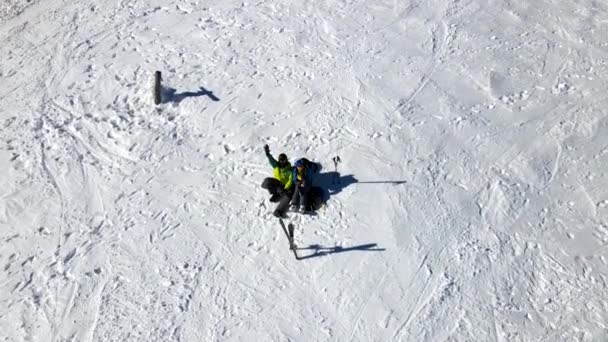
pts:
[289, 233]
[336, 179]
[278, 194]
[309, 202]
[283, 205]
[303, 175]
[157, 88]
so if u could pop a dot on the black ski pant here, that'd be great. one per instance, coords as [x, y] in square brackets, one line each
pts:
[301, 196]
[275, 187]
[312, 197]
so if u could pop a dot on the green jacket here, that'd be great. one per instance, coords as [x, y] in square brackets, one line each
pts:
[283, 174]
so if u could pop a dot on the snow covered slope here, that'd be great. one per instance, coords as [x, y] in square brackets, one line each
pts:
[473, 203]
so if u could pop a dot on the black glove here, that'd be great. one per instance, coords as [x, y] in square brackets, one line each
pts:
[266, 149]
[280, 191]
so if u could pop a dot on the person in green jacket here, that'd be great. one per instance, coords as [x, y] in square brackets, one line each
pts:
[280, 186]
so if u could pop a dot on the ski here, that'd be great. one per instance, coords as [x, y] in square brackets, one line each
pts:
[290, 230]
[289, 233]
[336, 178]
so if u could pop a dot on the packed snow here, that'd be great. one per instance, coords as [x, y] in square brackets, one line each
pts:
[472, 202]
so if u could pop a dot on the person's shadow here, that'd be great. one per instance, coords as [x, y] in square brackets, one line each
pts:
[332, 182]
[171, 95]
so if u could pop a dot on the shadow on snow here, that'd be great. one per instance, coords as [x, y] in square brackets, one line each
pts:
[333, 182]
[322, 250]
[171, 95]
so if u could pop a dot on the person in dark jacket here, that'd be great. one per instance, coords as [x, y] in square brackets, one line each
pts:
[280, 186]
[302, 179]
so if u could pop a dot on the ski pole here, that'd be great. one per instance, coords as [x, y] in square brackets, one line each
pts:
[336, 179]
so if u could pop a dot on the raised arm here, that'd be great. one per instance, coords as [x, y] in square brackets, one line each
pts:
[271, 160]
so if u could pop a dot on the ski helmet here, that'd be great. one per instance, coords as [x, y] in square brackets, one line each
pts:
[283, 158]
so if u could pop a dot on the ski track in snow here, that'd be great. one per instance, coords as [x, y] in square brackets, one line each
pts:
[473, 144]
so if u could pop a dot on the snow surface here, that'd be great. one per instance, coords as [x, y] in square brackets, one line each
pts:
[474, 142]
